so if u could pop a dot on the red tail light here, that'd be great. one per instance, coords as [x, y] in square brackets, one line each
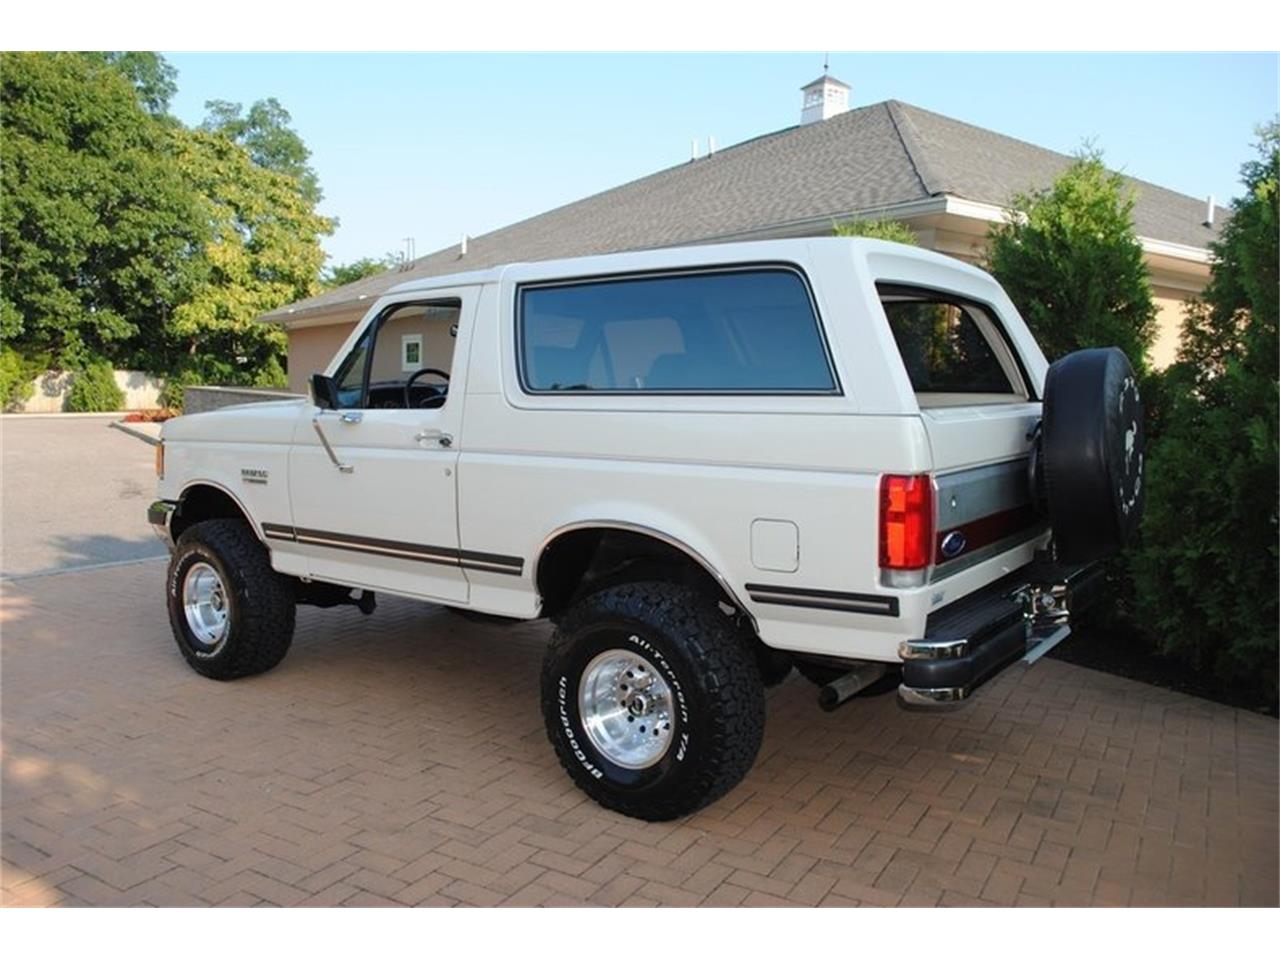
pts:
[906, 522]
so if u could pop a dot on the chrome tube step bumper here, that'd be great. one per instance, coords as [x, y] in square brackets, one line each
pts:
[1019, 617]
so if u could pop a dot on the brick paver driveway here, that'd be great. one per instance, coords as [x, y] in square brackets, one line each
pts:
[401, 759]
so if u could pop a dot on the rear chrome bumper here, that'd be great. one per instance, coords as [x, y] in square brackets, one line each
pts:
[1021, 616]
[159, 515]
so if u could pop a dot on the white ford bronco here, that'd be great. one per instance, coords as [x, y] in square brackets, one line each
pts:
[704, 465]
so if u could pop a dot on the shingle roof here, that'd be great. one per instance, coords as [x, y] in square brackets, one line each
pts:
[827, 78]
[868, 158]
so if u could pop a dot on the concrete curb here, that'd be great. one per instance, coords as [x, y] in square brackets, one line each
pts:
[133, 432]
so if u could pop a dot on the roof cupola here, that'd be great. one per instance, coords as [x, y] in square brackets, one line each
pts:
[823, 99]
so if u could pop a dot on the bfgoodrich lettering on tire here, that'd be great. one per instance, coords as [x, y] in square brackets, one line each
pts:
[232, 615]
[654, 705]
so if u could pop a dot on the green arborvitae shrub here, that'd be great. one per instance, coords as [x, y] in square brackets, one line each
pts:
[94, 390]
[270, 375]
[892, 230]
[1071, 262]
[1206, 573]
[15, 379]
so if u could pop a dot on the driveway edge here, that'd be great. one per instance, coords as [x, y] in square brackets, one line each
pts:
[134, 432]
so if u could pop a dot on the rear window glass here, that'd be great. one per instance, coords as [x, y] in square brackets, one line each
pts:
[729, 331]
[947, 346]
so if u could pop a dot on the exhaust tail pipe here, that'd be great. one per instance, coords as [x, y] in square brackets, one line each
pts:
[842, 688]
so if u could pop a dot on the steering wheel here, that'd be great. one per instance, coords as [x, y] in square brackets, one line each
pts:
[408, 400]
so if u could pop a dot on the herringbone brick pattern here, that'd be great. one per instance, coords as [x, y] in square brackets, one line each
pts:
[400, 759]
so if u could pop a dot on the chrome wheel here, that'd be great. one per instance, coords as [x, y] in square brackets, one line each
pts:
[625, 706]
[204, 601]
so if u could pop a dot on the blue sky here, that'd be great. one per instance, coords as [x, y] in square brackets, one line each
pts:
[429, 145]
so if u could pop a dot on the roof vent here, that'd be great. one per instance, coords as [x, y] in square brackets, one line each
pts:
[1208, 212]
[693, 149]
[462, 246]
[826, 97]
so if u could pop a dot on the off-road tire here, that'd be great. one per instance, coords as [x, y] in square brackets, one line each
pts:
[718, 709]
[261, 602]
[774, 665]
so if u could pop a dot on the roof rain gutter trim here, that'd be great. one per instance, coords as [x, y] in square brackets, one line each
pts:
[976, 210]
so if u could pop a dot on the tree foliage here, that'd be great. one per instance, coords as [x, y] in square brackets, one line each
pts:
[125, 236]
[99, 233]
[153, 77]
[892, 230]
[264, 131]
[1207, 572]
[340, 274]
[263, 251]
[1071, 262]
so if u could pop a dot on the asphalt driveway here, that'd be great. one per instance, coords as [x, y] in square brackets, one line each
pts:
[75, 494]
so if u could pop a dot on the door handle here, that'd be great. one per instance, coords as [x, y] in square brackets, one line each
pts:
[351, 416]
[444, 439]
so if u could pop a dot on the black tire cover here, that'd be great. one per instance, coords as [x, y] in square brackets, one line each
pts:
[1093, 453]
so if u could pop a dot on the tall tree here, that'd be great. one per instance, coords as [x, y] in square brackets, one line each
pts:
[1071, 261]
[264, 251]
[153, 77]
[340, 274]
[99, 231]
[265, 132]
[1207, 571]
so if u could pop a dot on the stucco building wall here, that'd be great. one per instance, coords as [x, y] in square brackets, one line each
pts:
[311, 349]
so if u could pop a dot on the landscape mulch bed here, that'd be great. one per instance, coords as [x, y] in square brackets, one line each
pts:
[1126, 656]
[149, 416]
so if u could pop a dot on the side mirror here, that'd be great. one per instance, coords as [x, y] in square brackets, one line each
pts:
[324, 391]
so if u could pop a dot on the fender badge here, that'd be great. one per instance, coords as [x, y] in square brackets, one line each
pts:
[253, 476]
[953, 544]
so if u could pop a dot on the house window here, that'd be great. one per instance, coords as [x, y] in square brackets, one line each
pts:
[411, 352]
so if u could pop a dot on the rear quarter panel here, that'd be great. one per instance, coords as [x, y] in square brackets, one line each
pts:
[700, 469]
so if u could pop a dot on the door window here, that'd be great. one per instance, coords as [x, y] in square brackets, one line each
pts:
[404, 359]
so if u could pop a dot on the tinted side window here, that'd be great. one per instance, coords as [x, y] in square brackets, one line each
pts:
[944, 345]
[729, 331]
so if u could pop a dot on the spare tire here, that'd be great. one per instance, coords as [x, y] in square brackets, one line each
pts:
[1092, 454]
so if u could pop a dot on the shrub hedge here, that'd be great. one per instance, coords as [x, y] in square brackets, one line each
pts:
[94, 390]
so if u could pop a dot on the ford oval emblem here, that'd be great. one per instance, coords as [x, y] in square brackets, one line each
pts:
[953, 544]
